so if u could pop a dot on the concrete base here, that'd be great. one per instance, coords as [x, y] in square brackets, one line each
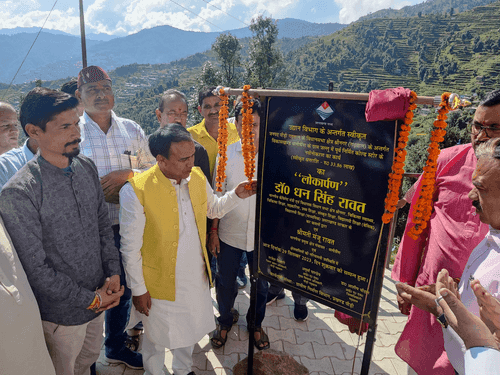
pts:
[271, 362]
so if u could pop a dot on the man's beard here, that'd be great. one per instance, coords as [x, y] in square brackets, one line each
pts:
[72, 154]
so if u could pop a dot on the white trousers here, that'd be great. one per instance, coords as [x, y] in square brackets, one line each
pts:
[73, 349]
[153, 357]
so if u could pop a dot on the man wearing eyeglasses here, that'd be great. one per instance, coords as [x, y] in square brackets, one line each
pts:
[453, 231]
[173, 108]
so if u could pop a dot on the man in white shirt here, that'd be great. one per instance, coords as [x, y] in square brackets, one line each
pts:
[484, 261]
[483, 355]
[236, 232]
[163, 230]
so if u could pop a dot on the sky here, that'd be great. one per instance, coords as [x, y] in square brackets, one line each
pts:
[124, 17]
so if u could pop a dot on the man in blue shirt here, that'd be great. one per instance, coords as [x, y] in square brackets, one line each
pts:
[11, 159]
[9, 127]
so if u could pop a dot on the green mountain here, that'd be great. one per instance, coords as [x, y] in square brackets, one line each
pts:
[428, 7]
[428, 54]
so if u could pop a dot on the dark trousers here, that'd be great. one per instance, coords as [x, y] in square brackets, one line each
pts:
[116, 319]
[228, 264]
[243, 264]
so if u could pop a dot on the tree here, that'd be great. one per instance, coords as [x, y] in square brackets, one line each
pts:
[209, 76]
[227, 48]
[265, 66]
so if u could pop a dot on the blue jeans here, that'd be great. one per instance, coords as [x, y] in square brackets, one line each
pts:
[243, 264]
[116, 319]
[228, 264]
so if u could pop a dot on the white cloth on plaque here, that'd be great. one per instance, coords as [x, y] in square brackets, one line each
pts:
[183, 322]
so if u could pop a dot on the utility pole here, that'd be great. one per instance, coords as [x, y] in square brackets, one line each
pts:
[82, 34]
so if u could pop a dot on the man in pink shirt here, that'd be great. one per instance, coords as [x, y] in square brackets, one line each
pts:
[454, 230]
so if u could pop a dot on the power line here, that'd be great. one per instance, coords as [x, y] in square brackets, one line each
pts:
[237, 19]
[37, 35]
[197, 15]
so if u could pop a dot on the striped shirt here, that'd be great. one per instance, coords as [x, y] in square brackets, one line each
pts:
[124, 146]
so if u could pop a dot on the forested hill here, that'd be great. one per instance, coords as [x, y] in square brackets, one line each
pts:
[428, 7]
[429, 54]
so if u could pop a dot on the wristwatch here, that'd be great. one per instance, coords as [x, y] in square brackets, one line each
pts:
[442, 320]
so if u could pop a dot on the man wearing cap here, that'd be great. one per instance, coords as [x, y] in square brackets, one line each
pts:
[118, 147]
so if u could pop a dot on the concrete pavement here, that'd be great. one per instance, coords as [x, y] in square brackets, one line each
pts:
[322, 344]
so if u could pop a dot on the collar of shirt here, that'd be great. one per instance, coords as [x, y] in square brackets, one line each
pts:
[183, 182]
[202, 131]
[89, 121]
[27, 151]
[494, 235]
[45, 164]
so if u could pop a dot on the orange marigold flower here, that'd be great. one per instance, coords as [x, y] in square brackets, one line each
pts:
[396, 175]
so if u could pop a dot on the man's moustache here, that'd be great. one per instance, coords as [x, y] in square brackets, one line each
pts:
[477, 205]
[75, 142]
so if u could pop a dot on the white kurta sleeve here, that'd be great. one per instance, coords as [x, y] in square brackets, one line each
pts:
[482, 361]
[132, 223]
[217, 207]
[455, 349]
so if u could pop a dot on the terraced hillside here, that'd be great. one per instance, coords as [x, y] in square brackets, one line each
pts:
[429, 54]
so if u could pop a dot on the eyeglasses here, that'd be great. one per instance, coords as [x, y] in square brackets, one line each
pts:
[475, 128]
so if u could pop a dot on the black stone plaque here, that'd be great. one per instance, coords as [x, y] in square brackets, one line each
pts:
[323, 179]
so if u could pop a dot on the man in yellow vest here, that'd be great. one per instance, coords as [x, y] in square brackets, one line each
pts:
[163, 215]
[207, 131]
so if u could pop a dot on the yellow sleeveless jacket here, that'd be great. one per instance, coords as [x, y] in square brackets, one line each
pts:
[161, 232]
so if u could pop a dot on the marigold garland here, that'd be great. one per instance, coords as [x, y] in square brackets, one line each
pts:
[396, 176]
[423, 208]
[247, 141]
[222, 140]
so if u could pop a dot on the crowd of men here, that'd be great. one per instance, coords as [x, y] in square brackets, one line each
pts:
[96, 217]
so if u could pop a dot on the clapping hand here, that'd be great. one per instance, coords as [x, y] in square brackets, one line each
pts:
[469, 327]
[489, 308]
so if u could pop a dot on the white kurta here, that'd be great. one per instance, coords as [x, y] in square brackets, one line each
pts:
[484, 265]
[23, 349]
[237, 228]
[482, 361]
[183, 322]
